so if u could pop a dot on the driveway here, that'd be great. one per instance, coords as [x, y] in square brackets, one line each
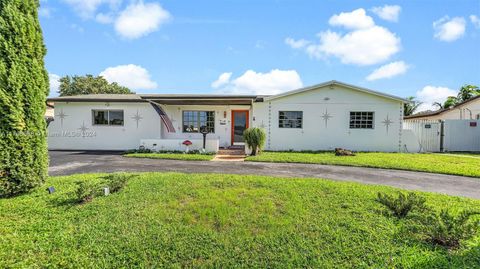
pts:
[74, 162]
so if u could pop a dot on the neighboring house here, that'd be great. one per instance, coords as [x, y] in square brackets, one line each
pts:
[467, 110]
[321, 117]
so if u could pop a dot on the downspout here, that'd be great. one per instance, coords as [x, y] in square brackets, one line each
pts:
[469, 112]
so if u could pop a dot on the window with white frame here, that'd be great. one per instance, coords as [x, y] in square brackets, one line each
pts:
[290, 119]
[194, 121]
[361, 120]
[107, 117]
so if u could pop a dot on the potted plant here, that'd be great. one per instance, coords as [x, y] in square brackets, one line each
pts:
[187, 143]
[254, 140]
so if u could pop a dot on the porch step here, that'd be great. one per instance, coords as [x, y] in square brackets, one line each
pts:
[231, 152]
[230, 155]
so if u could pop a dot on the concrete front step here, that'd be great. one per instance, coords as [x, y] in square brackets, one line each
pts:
[231, 152]
[230, 155]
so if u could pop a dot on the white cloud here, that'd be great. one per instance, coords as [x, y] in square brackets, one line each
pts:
[104, 18]
[431, 94]
[356, 19]
[140, 19]
[54, 84]
[361, 47]
[447, 29]
[366, 44]
[132, 76]
[87, 8]
[388, 13]
[475, 21]
[388, 71]
[296, 44]
[222, 80]
[251, 82]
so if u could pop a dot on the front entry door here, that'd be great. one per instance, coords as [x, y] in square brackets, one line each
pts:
[239, 124]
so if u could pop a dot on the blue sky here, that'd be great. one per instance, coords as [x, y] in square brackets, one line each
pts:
[426, 49]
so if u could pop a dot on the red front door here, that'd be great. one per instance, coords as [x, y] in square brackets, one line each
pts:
[239, 124]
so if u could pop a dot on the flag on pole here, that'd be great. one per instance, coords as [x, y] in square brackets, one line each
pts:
[166, 121]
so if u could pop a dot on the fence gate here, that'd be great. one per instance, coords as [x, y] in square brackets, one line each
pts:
[462, 135]
[428, 133]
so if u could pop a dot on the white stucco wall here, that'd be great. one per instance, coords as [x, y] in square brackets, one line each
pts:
[69, 136]
[316, 135]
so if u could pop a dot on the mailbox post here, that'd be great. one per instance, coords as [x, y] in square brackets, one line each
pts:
[204, 131]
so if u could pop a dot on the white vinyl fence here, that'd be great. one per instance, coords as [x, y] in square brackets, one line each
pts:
[427, 132]
[448, 135]
[462, 135]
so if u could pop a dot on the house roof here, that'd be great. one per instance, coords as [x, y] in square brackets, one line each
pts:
[208, 99]
[440, 111]
[98, 98]
[177, 99]
[334, 82]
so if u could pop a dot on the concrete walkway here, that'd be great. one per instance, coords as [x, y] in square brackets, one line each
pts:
[66, 163]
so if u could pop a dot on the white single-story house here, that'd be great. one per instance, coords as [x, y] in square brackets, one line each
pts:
[320, 117]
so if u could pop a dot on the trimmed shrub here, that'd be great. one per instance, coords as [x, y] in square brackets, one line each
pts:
[401, 205]
[448, 230]
[255, 139]
[23, 91]
[118, 181]
[86, 191]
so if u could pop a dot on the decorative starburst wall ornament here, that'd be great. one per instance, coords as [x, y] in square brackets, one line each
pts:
[137, 117]
[62, 116]
[387, 122]
[326, 117]
[83, 129]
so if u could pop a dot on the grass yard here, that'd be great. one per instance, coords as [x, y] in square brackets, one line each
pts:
[224, 221]
[464, 165]
[172, 156]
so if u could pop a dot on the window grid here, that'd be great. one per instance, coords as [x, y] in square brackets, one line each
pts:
[361, 120]
[290, 119]
[193, 121]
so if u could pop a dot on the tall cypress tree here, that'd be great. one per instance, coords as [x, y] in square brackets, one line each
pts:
[23, 91]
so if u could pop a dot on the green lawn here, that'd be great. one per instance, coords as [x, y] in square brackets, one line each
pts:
[224, 221]
[465, 165]
[172, 156]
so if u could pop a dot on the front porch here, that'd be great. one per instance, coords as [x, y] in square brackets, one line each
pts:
[224, 117]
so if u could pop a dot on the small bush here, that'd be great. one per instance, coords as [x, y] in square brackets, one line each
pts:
[117, 181]
[86, 191]
[255, 139]
[140, 150]
[400, 206]
[448, 230]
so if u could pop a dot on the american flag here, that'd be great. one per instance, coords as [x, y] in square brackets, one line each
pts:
[166, 121]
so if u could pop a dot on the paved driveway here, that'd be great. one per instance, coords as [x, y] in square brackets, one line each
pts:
[66, 163]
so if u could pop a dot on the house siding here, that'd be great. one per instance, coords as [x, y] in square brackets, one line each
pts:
[69, 136]
[316, 134]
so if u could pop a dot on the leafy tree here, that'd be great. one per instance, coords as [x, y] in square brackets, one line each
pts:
[410, 108]
[451, 101]
[467, 92]
[23, 91]
[78, 85]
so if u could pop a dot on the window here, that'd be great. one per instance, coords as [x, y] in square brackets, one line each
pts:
[107, 117]
[194, 121]
[290, 119]
[361, 120]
